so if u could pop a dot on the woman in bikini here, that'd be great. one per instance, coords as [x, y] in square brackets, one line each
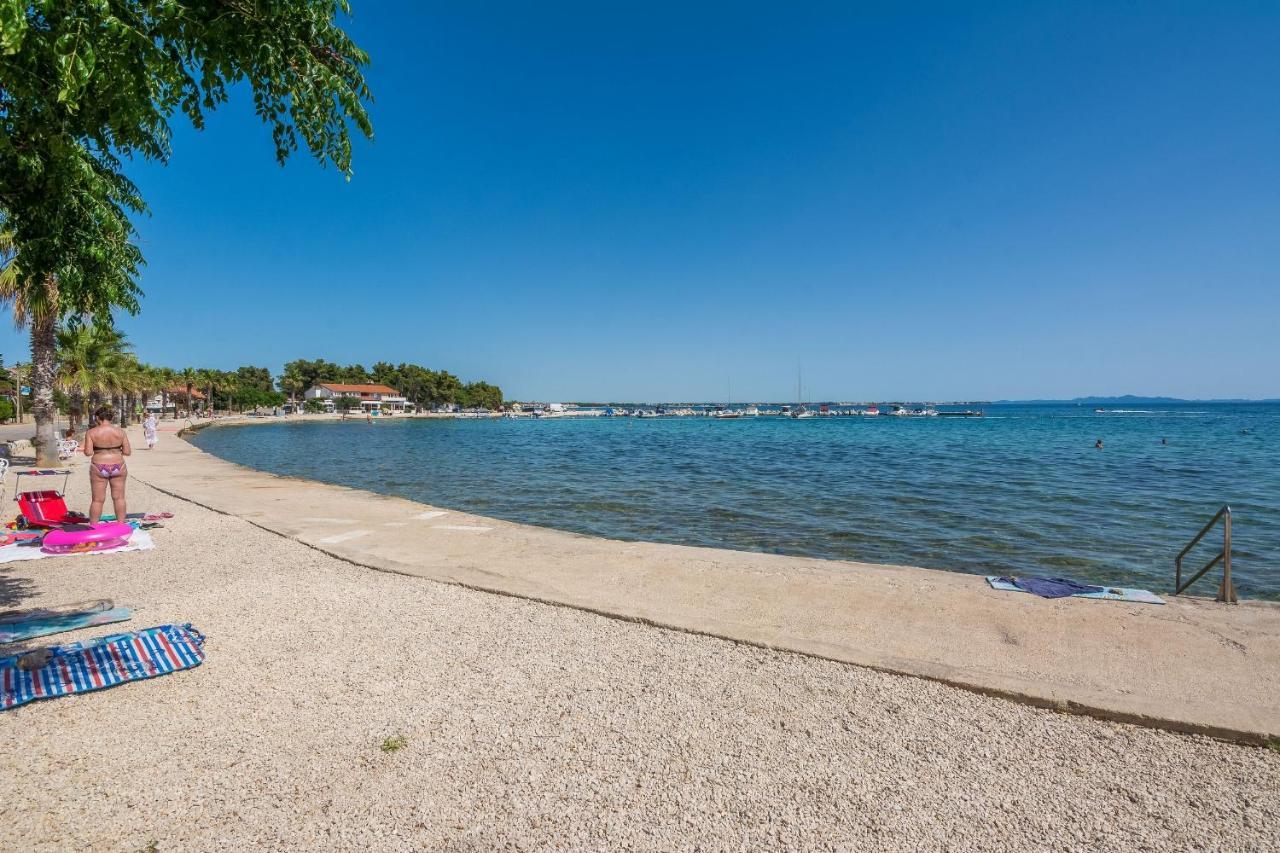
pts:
[106, 445]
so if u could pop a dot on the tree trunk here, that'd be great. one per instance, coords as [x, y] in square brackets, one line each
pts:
[75, 409]
[44, 361]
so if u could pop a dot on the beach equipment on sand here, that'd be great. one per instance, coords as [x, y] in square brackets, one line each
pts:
[74, 539]
[139, 517]
[1052, 587]
[99, 663]
[39, 622]
[1063, 588]
[44, 507]
[140, 541]
[93, 605]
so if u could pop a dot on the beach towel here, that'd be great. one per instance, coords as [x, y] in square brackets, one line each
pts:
[1105, 593]
[1052, 587]
[40, 623]
[140, 541]
[92, 605]
[98, 664]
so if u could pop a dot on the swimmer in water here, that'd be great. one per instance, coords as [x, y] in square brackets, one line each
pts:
[1098, 444]
[1164, 441]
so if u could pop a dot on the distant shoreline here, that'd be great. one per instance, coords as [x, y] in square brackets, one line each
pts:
[1130, 401]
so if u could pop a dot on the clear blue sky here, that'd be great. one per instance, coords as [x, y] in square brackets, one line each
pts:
[652, 200]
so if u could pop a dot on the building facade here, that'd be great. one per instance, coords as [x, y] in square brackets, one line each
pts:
[374, 399]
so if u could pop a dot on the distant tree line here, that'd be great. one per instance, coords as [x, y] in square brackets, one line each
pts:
[95, 364]
[420, 385]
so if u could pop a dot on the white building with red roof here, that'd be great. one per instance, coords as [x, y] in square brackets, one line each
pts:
[374, 399]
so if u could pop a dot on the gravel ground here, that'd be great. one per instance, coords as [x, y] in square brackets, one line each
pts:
[525, 726]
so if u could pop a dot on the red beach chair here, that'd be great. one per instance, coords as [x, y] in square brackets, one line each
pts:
[45, 507]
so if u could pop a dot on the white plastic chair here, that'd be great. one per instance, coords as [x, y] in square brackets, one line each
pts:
[67, 448]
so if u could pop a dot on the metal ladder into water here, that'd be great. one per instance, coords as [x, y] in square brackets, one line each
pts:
[1226, 590]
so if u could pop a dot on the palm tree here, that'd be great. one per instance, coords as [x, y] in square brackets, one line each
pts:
[35, 304]
[167, 377]
[139, 384]
[209, 379]
[119, 371]
[94, 361]
[149, 382]
[220, 380]
[189, 376]
[77, 377]
[20, 375]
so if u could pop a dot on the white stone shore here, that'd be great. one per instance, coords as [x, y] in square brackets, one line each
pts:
[529, 726]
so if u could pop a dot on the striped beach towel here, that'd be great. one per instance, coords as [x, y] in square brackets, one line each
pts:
[98, 663]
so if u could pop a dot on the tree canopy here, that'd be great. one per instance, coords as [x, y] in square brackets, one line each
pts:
[421, 385]
[87, 83]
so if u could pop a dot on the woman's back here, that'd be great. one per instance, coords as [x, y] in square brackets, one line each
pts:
[106, 439]
[108, 445]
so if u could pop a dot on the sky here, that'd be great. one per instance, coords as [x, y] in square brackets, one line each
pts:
[698, 201]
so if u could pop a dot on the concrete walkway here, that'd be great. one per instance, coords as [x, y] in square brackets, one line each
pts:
[1191, 665]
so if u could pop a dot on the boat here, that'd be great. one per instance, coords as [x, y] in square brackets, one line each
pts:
[800, 411]
[870, 411]
[967, 413]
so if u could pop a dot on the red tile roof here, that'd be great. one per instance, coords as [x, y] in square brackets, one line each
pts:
[358, 389]
[181, 391]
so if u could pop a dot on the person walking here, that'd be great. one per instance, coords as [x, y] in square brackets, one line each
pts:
[149, 431]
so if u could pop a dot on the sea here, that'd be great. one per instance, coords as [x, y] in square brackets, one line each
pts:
[1022, 490]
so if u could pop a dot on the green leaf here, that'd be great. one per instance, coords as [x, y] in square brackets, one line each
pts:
[13, 25]
[74, 60]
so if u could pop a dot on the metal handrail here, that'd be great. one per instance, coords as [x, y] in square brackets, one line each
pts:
[1226, 590]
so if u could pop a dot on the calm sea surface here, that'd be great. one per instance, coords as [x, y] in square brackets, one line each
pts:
[1021, 490]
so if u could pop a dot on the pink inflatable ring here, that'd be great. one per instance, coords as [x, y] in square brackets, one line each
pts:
[104, 537]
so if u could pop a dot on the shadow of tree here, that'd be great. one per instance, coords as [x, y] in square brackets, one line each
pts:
[14, 590]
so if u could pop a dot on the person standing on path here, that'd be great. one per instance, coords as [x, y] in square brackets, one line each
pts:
[149, 431]
[106, 445]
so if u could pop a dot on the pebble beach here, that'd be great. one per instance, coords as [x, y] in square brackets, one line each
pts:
[344, 708]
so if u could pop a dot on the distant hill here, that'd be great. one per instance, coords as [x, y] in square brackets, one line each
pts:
[1128, 400]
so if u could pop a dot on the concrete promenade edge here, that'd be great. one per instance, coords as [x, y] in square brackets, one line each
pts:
[1191, 665]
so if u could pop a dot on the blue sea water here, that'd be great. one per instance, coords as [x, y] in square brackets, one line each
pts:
[1020, 491]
